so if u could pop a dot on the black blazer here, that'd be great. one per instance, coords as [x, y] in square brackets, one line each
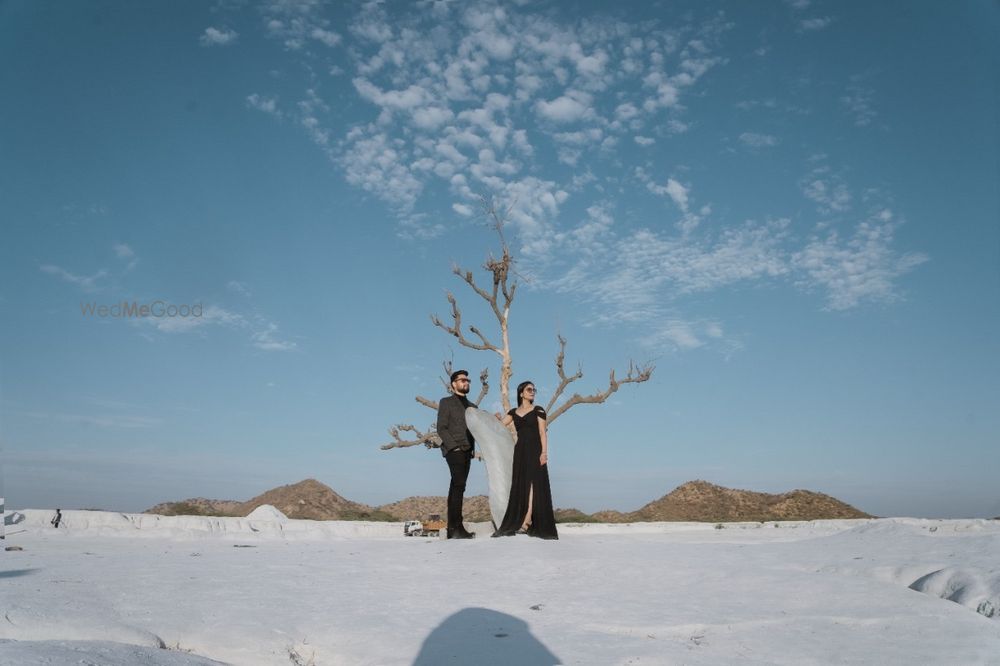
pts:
[451, 425]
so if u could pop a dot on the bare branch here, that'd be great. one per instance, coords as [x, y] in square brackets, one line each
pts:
[471, 281]
[428, 438]
[484, 380]
[564, 381]
[456, 329]
[427, 403]
[636, 375]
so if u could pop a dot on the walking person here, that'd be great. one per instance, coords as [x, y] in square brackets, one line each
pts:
[457, 446]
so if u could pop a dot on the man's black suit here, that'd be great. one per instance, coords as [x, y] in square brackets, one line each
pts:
[457, 446]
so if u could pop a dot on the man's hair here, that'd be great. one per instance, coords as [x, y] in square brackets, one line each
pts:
[458, 373]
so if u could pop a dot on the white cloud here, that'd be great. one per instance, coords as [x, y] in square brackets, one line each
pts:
[756, 140]
[239, 287]
[677, 127]
[563, 109]
[462, 209]
[413, 96]
[125, 253]
[327, 37]
[832, 196]
[636, 275]
[826, 188]
[376, 163]
[677, 333]
[431, 117]
[268, 105]
[266, 339]
[673, 189]
[297, 23]
[860, 268]
[626, 111]
[644, 140]
[263, 332]
[815, 23]
[211, 315]
[858, 102]
[678, 193]
[216, 37]
[88, 283]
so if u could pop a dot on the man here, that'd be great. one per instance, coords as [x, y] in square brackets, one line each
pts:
[457, 446]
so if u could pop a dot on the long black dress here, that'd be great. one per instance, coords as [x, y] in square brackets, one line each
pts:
[529, 473]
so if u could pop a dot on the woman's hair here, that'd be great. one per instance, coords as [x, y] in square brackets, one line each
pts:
[520, 391]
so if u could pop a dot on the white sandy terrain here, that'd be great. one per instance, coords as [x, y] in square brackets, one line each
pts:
[116, 589]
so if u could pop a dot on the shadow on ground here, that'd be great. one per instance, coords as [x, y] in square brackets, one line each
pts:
[14, 573]
[483, 637]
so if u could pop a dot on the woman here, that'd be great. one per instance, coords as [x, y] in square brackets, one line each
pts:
[529, 509]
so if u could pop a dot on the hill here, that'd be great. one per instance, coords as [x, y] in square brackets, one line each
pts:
[308, 499]
[702, 501]
[313, 500]
[199, 506]
[697, 501]
[475, 509]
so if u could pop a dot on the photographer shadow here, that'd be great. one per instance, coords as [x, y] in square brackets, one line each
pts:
[483, 637]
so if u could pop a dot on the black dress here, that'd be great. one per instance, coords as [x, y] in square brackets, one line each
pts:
[529, 473]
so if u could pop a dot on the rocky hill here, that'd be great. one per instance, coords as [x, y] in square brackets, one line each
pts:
[475, 509]
[199, 506]
[698, 501]
[706, 502]
[313, 500]
[307, 499]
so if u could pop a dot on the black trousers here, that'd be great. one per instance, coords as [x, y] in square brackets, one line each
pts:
[459, 463]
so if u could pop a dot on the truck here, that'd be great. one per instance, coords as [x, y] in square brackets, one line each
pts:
[432, 526]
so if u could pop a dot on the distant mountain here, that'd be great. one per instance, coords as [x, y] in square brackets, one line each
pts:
[697, 501]
[308, 499]
[312, 500]
[706, 502]
[475, 509]
[199, 506]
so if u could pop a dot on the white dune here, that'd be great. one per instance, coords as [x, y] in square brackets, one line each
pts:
[129, 588]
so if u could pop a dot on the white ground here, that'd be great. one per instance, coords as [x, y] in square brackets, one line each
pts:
[113, 589]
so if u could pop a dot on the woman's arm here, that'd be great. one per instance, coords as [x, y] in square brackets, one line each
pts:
[543, 435]
[505, 419]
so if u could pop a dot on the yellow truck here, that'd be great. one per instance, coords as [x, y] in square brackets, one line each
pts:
[431, 527]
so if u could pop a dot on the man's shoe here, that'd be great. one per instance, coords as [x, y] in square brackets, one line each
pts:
[460, 533]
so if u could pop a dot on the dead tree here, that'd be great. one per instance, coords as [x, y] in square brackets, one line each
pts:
[499, 297]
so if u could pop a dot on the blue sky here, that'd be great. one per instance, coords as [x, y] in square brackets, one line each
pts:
[789, 207]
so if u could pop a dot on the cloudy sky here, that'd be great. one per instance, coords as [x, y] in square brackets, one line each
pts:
[789, 207]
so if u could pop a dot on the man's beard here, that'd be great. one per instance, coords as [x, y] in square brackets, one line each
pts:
[462, 390]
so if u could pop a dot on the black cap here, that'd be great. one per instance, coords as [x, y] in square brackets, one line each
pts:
[458, 373]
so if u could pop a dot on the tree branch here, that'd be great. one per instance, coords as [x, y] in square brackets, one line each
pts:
[564, 381]
[636, 375]
[427, 403]
[456, 330]
[484, 380]
[429, 438]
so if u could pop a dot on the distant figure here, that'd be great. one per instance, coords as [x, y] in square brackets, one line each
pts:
[529, 509]
[57, 518]
[457, 446]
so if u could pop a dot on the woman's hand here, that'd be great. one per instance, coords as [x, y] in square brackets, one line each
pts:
[498, 415]
[543, 459]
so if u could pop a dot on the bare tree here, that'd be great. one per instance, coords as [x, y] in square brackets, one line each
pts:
[499, 297]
